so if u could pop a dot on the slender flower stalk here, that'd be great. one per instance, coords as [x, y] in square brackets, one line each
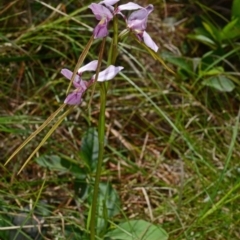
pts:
[101, 135]
[101, 131]
[75, 98]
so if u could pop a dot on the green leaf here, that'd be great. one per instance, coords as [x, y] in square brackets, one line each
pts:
[213, 71]
[52, 162]
[90, 148]
[203, 39]
[214, 32]
[137, 230]
[55, 163]
[182, 63]
[82, 188]
[220, 82]
[74, 169]
[108, 207]
[231, 30]
[235, 11]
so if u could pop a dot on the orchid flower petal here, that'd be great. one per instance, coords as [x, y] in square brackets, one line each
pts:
[109, 2]
[100, 12]
[68, 74]
[92, 66]
[77, 82]
[129, 6]
[138, 19]
[74, 98]
[82, 84]
[108, 73]
[149, 8]
[149, 42]
[101, 29]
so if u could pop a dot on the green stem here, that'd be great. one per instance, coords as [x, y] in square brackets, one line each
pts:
[101, 125]
[101, 133]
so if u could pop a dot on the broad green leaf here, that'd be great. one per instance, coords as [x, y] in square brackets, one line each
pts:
[108, 205]
[183, 63]
[82, 188]
[52, 162]
[55, 163]
[213, 71]
[220, 82]
[74, 169]
[137, 230]
[89, 149]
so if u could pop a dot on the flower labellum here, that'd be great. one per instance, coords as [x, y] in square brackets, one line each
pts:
[75, 97]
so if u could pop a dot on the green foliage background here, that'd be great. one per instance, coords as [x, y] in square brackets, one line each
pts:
[172, 144]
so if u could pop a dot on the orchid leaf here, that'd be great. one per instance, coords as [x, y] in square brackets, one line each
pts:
[220, 82]
[136, 230]
[90, 148]
[231, 30]
[109, 205]
[56, 163]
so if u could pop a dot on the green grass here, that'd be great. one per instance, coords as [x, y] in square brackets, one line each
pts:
[172, 145]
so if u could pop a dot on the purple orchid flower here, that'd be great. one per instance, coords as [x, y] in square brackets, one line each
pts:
[137, 22]
[104, 14]
[81, 86]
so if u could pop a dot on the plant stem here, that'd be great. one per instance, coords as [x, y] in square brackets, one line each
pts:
[101, 133]
[101, 124]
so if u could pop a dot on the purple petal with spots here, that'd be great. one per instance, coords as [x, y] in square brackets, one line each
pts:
[108, 73]
[149, 42]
